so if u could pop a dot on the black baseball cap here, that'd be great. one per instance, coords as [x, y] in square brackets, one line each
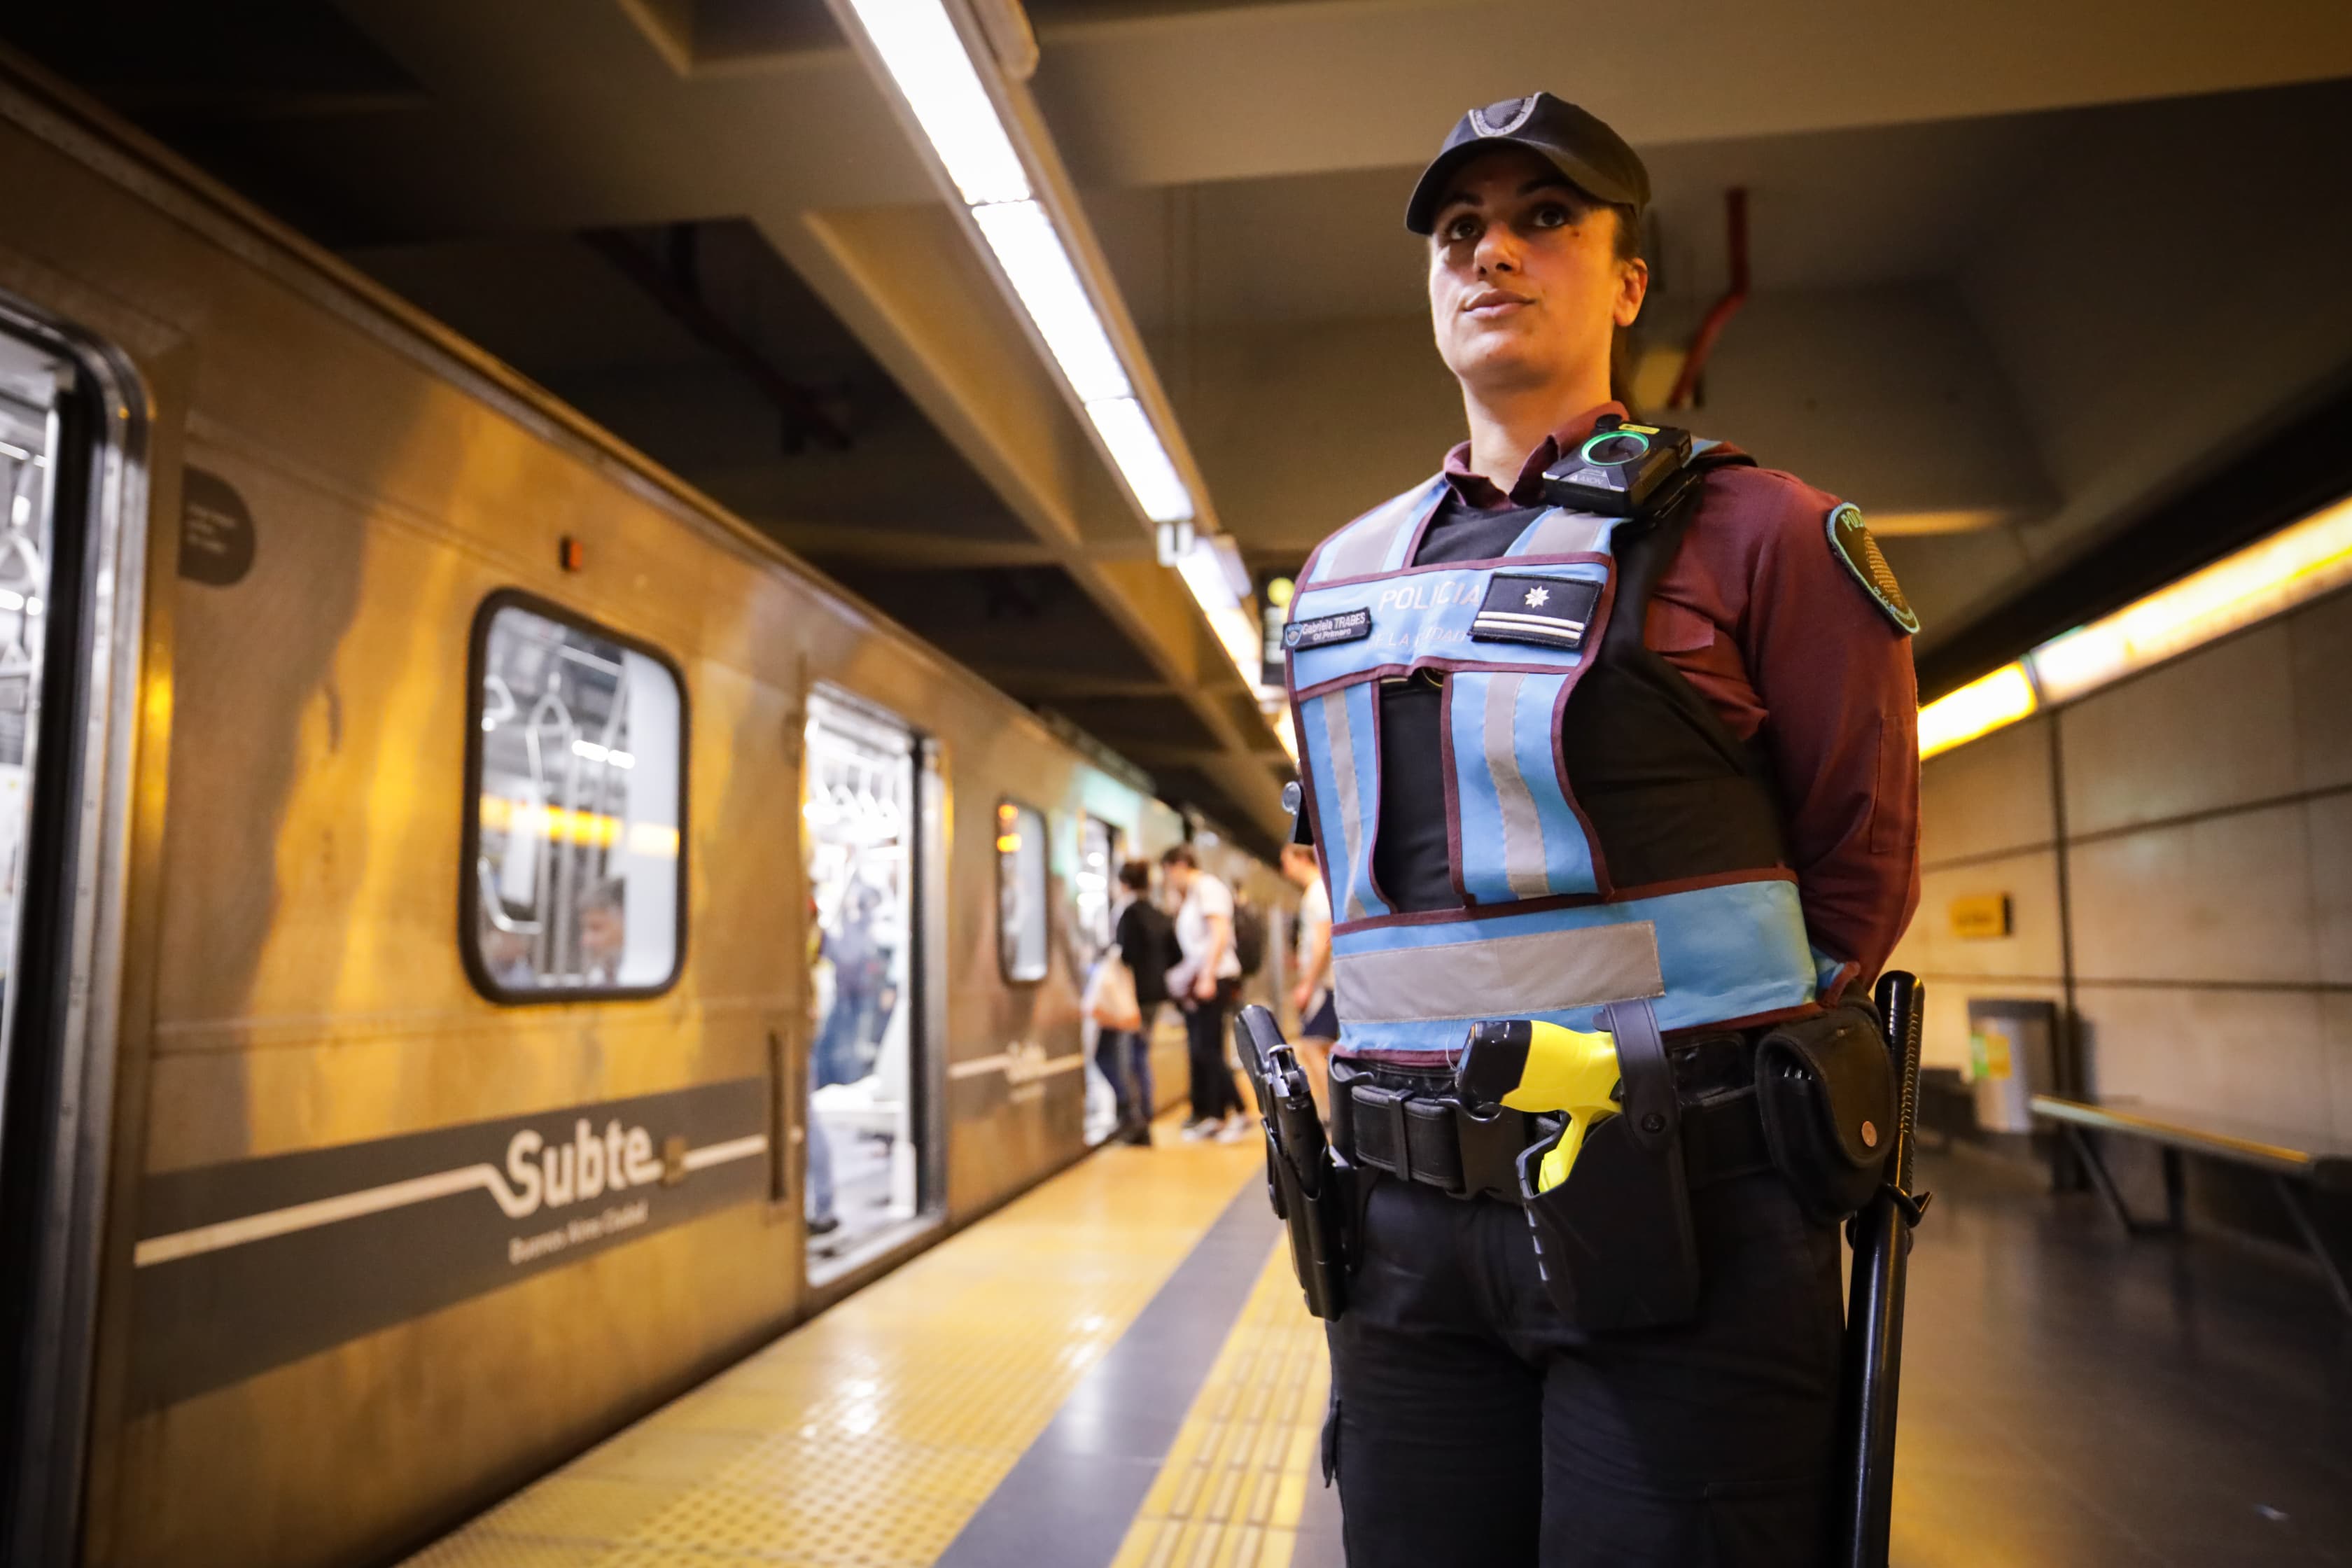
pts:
[1592, 157]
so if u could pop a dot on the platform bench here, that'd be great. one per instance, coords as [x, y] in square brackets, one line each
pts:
[2298, 1165]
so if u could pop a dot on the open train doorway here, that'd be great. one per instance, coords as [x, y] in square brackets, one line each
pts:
[866, 835]
[72, 511]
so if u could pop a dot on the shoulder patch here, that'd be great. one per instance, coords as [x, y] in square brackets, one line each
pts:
[1851, 542]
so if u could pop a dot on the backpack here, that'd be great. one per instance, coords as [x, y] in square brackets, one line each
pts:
[1249, 934]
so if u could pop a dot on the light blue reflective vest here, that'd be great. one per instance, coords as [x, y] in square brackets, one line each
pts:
[1543, 932]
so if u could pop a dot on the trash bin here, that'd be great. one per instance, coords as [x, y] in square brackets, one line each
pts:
[2012, 1058]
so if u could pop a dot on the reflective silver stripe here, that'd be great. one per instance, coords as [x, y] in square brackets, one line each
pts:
[1362, 548]
[1501, 977]
[1523, 833]
[1559, 533]
[1342, 752]
[1513, 617]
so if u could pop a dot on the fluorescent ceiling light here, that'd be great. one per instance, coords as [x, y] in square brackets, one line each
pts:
[933, 71]
[1032, 255]
[2266, 578]
[1205, 576]
[1202, 568]
[2274, 574]
[1142, 461]
[1285, 731]
[1979, 708]
[925, 58]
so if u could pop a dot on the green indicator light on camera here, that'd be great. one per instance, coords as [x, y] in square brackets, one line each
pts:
[1610, 447]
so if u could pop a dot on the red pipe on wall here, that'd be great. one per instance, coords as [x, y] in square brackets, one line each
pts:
[1735, 205]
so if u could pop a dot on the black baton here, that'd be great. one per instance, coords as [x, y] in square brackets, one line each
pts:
[1874, 1315]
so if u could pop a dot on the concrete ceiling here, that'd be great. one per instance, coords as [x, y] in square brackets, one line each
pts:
[2019, 269]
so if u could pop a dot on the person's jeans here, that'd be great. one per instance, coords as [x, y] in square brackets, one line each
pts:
[820, 1162]
[1471, 1424]
[840, 1054]
[1213, 1094]
[1125, 1058]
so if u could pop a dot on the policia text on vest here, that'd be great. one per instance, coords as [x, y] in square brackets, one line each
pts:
[1603, 730]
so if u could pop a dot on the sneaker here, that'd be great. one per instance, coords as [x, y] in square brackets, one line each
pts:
[1196, 1130]
[1140, 1137]
[1235, 1129]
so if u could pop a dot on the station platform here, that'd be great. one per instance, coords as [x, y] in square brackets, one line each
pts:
[1116, 1370]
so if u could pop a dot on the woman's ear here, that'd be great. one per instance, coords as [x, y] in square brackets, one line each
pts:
[1632, 288]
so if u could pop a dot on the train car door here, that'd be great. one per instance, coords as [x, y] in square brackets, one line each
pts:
[865, 832]
[1093, 896]
[72, 549]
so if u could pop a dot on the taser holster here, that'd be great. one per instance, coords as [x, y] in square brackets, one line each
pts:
[1614, 1241]
[1311, 1185]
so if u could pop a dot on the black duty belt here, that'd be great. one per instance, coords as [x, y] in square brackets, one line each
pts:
[1411, 1125]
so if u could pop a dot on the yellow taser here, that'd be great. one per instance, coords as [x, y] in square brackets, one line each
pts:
[1526, 1064]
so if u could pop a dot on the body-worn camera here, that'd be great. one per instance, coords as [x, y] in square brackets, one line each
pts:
[1620, 470]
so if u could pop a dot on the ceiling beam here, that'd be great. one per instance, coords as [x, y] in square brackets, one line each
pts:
[906, 550]
[918, 297]
[682, 302]
[1037, 685]
[1178, 97]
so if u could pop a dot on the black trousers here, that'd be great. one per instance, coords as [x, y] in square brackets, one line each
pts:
[1213, 1094]
[1471, 1425]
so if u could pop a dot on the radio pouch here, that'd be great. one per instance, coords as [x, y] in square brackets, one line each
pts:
[1826, 1088]
[1614, 1242]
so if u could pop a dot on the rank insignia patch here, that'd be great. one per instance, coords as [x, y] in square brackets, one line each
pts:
[1549, 612]
[1851, 542]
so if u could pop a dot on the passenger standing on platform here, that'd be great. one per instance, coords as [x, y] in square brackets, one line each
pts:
[1206, 983]
[1141, 943]
[1146, 943]
[1566, 757]
[1310, 994]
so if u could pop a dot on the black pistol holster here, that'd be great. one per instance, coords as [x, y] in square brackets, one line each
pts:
[1311, 1185]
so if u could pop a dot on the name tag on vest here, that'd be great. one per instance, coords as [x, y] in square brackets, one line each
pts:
[1345, 627]
[1545, 611]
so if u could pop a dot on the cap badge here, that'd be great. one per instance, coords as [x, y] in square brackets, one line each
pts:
[1503, 118]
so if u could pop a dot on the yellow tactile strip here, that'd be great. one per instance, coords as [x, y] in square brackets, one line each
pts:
[871, 1434]
[1230, 1493]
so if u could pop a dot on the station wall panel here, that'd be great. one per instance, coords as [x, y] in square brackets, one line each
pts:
[2202, 928]
[2206, 733]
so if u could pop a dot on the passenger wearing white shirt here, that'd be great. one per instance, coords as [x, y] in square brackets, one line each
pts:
[1205, 984]
[1310, 996]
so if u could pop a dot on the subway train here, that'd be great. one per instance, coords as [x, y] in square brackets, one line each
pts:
[466, 894]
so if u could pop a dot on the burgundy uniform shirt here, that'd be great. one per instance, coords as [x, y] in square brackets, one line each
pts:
[1760, 614]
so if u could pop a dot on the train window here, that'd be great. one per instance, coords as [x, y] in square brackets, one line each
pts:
[1020, 891]
[29, 383]
[1090, 886]
[573, 876]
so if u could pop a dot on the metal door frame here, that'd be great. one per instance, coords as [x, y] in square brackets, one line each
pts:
[69, 973]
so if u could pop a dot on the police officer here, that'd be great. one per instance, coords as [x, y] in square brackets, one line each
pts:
[1556, 759]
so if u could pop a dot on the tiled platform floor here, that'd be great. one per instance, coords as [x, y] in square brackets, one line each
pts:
[2073, 1396]
[1115, 1371]
[872, 1434]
